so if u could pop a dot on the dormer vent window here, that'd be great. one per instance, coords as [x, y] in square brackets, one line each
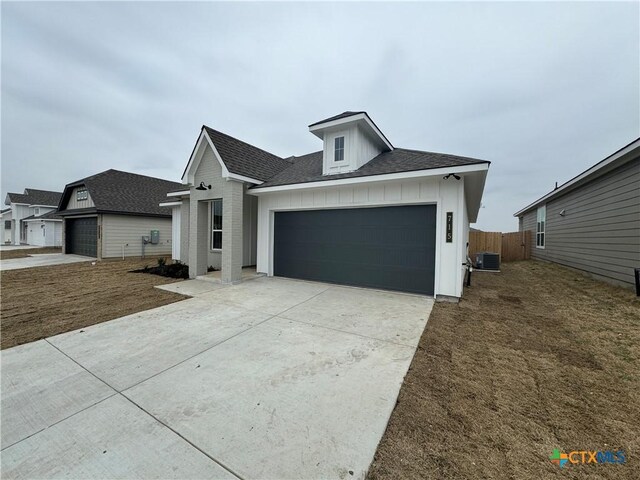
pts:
[82, 194]
[338, 155]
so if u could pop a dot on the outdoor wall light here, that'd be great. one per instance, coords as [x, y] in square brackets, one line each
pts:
[446, 177]
[202, 186]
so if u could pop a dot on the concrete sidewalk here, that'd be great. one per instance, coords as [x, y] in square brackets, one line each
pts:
[271, 378]
[42, 260]
[6, 248]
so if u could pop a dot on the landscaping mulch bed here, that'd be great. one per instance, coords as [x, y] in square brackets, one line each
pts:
[535, 358]
[23, 253]
[40, 302]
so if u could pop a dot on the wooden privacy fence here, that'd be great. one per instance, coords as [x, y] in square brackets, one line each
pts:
[511, 246]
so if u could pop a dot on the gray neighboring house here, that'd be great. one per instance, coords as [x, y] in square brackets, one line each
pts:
[592, 222]
[107, 215]
[29, 218]
[358, 212]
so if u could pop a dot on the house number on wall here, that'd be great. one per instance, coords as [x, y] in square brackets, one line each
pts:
[449, 227]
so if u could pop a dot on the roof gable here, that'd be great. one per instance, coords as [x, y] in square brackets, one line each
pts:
[123, 192]
[32, 196]
[627, 153]
[308, 168]
[236, 157]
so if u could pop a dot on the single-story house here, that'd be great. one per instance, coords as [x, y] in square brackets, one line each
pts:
[592, 222]
[33, 204]
[116, 214]
[358, 212]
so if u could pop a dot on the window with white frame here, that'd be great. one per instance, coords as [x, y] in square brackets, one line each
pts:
[216, 224]
[540, 226]
[82, 194]
[338, 149]
[36, 211]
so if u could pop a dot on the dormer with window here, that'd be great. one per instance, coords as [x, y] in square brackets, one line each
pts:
[350, 139]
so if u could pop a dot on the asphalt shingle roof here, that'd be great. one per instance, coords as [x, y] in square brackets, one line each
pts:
[53, 215]
[308, 168]
[338, 117]
[244, 159]
[122, 192]
[32, 196]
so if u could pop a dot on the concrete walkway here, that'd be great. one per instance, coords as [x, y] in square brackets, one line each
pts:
[42, 260]
[271, 378]
[6, 248]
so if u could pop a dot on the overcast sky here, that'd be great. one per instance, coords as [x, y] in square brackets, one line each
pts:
[542, 90]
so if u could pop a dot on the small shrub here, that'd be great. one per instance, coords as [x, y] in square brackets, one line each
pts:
[173, 270]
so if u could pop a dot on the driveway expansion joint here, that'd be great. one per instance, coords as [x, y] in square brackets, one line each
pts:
[350, 333]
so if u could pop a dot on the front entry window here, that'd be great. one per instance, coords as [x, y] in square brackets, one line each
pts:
[216, 224]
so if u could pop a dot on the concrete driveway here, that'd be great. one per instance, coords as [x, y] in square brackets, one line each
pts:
[270, 379]
[41, 260]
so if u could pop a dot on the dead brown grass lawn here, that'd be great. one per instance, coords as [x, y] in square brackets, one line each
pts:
[40, 302]
[534, 358]
[23, 253]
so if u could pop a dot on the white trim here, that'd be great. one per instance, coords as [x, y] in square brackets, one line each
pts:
[178, 194]
[226, 174]
[40, 206]
[544, 230]
[242, 178]
[211, 229]
[38, 219]
[598, 166]
[433, 172]
[360, 116]
[170, 204]
[16, 203]
[192, 158]
[225, 171]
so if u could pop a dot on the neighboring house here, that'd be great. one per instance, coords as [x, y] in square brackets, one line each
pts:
[31, 205]
[44, 230]
[5, 216]
[107, 215]
[592, 222]
[359, 212]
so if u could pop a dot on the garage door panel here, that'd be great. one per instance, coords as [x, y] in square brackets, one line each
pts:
[383, 247]
[82, 236]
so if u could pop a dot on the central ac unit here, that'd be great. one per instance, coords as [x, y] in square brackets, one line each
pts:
[487, 261]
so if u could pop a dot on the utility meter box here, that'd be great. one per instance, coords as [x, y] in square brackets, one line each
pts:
[155, 237]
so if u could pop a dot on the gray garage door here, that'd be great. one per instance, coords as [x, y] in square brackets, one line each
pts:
[388, 247]
[82, 236]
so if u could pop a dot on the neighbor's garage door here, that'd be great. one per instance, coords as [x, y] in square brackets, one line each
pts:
[82, 236]
[387, 247]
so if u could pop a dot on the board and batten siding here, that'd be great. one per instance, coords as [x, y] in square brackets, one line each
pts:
[125, 232]
[447, 195]
[599, 232]
[73, 204]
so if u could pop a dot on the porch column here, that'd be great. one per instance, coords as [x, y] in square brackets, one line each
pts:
[232, 208]
[198, 235]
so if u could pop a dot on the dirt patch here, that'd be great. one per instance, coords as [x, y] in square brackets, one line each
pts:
[40, 302]
[532, 359]
[26, 252]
